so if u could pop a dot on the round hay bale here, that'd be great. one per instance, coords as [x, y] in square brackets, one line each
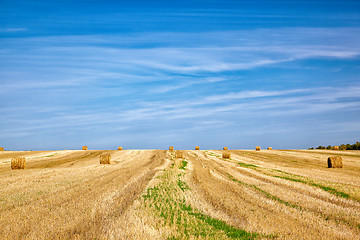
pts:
[226, 154]
[84, 148]
[225, 148]
[197, 148]
[120, 148]
[257, 148]
[269, 148]
[1, 149]
[18, 163]
[179, 154]
[335, 162]
[171, 148]
[105, 158]
[336, 147]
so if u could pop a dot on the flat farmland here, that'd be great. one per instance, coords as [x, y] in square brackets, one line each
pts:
[150, 194]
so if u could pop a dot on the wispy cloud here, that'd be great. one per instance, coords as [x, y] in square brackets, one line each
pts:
[153, 81]
[207, 52]
[13, 29]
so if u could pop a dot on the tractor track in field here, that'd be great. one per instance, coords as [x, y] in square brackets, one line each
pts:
[284, 195]
[276, 194]
[85, 219]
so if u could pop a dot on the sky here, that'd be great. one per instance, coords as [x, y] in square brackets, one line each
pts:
[150, 74]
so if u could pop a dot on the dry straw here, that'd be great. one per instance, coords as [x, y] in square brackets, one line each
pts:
[1, 149]
[269, 148]
[105, 158]
[18, 163]
[257, 148]
[120, 148]
[197, 148]
[225, 148]
[226, 154]
[84, 148]
[335, 162]
[179, 154]
[336, 147]
[171, 148]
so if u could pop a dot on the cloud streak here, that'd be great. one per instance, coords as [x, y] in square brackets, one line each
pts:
[227, 81]
[9, 30]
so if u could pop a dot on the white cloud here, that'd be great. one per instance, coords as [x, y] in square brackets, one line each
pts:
[13, 29]
[109, 81]
[201, 53]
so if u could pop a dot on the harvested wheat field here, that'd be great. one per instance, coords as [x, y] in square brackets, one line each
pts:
[152, 194]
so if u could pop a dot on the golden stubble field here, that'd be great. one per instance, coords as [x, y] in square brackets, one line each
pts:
[150, 194]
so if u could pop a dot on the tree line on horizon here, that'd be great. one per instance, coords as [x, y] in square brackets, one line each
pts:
[355, 146]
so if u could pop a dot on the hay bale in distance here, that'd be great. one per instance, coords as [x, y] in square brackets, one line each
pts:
[120, 148]
[197, 148]
[171, 148]
[225, 148]
[84, 148]
[269, 148]
[226, 154]
[336, 147]
[257, 148]
[1, 149]
[105, 158]
[335, 162]
[179, 154]
[18, 163]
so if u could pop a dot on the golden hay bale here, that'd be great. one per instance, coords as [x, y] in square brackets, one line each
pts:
[225, 148]
[269, 148]
[335, 162]
[120, 148]
[18, 163]
[257, 148]
[179, 154]
[84, 148]
[1, 149]
[105, 158]
[336, 147]
[226, 154]
[197, 148]
[171, 148]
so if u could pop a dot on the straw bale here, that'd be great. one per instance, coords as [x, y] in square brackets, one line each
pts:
[257, 148]
[120, 148]
[335, 162]
[269, 148]
[84, 148]
[226, 154]
[179, 154]
[105, 158]
[225, 148]
[18, 163]
[197, 148]
[171, 148]
[1, 149]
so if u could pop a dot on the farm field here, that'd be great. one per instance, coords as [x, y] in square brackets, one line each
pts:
[150, 194]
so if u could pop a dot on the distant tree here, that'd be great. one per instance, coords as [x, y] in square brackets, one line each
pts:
[355, 146]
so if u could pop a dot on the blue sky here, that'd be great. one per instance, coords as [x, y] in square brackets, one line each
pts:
[149, 74]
